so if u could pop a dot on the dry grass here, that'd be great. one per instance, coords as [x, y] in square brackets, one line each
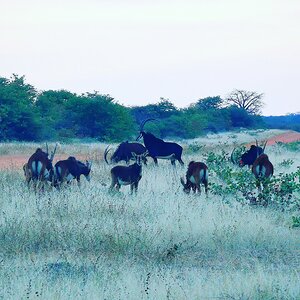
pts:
[160, 244]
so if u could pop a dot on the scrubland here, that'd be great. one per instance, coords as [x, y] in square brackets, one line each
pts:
[88, 243]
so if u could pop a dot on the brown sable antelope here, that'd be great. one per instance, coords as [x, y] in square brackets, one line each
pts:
[262, 169]
[69, 169]
[128, 175]
[39, 166]
[197, 173]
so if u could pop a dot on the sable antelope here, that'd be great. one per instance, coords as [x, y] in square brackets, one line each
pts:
[197, 173]
[250, 155]
[262, 169]
[128, 175]
[71, 168]
[158, 148]
[39, 166]
[124, 152]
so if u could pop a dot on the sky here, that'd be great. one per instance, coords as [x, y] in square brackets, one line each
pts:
[139, 51]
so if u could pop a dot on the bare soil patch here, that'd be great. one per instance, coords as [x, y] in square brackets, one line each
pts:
[17, 161]
[9, 162]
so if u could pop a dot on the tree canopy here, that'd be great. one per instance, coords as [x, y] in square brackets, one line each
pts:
[28, 115]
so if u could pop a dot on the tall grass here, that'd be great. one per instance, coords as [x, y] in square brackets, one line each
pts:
[159, 244]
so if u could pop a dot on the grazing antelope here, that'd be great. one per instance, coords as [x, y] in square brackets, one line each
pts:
[124, 152]
[39, 166]
[69, 169]
[128, 175]
[197, 173]
[262, 169]
[158, 148]
[250, 155]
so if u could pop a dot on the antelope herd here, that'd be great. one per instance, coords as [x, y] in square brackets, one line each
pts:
[39, 168]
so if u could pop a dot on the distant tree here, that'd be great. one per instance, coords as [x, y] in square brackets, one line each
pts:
[18, 116]
[240, 117]
[99, 116]
[52, 107]
[208, 103]
[160, 110]
[249, 101]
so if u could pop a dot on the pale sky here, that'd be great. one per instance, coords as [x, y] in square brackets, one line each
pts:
[139, 51]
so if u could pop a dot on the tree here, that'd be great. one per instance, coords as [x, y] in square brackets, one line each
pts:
[99, 116]
[249, 101]
[18, 116]
[160, 110]
[208, 103]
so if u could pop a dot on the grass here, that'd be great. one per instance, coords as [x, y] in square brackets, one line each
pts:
[159, 244]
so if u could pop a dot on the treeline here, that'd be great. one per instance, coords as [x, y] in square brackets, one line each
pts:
[29, 115]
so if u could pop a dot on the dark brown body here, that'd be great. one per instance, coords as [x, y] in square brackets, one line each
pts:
[196, 174]
[39, 168]
[69, 169]
[124, 152]
[128, 175]
[262, 169]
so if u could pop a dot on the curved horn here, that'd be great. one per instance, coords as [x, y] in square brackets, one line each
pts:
[53, 153]
[232, 156]
[265, 146]
[105, 154]
[144, 122]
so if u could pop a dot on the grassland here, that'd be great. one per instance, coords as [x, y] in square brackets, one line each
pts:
[87, 243]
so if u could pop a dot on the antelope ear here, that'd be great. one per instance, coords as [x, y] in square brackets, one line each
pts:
[89, 164]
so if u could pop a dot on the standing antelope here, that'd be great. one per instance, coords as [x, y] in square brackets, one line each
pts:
[197, 173]
[39, 166]
[250, 155]
[124, 152]
[158, 148]
[69, 169]
[125, 175]
[262, 169]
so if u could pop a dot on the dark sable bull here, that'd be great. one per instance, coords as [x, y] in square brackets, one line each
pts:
[39, 167]
[158, 148]
[124, 152]
[249, 156]
[69, 169]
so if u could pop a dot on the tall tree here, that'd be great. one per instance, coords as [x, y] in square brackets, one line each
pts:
[208, 103]
[249, 101]
[18, 115]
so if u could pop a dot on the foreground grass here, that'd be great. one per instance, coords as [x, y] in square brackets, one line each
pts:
[160, 244]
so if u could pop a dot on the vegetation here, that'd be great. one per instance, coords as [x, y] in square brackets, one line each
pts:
[86, 243]
[29, 115]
